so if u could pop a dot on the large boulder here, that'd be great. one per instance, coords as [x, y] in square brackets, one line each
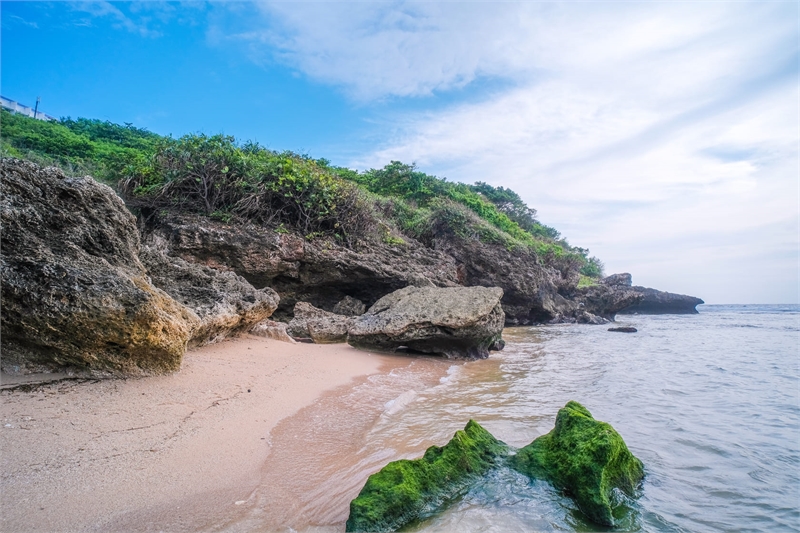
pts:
[457, 322]
[320, 326]
[225, 302]
[74, 293]
[585, 457]
[404, 491]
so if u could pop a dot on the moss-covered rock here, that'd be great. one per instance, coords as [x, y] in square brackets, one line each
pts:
[585, 457]
[404, 491]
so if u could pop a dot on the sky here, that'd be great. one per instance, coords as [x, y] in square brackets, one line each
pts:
[663, 136]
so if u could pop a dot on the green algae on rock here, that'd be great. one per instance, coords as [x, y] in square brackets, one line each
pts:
[404, 490]
[585, 457]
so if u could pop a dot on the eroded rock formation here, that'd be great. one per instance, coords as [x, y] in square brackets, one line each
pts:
[459, 322]
[225, 303]
[74, 293]
[318, 272]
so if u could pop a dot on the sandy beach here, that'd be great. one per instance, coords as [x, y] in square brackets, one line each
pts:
[178, 452]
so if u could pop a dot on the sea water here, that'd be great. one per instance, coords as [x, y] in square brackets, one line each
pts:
[710, 403]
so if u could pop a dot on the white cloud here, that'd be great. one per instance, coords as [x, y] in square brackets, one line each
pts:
[634, 128]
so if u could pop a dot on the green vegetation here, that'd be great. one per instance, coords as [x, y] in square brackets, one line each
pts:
[405, 491]
[217, 177]
[80, 147]
[585, 457]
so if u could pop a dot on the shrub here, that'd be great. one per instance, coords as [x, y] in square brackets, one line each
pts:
[212, 174]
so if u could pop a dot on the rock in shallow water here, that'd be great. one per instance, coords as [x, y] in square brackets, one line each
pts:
[74, 292]
[585, 457]
[404, 491]
[457, 322]
[624, 329]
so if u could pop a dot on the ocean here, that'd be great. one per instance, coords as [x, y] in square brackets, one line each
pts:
[709, 402]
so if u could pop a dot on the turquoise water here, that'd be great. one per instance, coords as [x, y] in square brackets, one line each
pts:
[710, 403]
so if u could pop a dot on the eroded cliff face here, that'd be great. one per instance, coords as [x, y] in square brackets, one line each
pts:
[323, 273]
[319, 272]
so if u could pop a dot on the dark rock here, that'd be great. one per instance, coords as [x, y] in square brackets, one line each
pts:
[654, 302]
[618, 280]
[624, 329]
[320, 326]
[585, 457]
[455, 322]
[605, 300]
[319, 272]
[225, 302]
[74, 293]
[350, 306]
[405, 491]
[530, 290]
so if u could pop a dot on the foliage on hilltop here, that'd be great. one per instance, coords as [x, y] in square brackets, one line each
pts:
[218, 177]
[80, 147]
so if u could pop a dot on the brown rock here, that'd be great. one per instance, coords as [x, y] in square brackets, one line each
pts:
[74, 292]
[225, 302]
[272, 330]
[320, 326]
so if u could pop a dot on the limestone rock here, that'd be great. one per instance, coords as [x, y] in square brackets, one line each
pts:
[654, 302]
[272, 330]
[404, 491]
[618, 280]
[461, 322]
[74, 293]
[319, 272]
[320, 326]
[585, 457]
[225, 302]
[349, 306]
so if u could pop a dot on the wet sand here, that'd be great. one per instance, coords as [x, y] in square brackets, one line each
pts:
[171, 453]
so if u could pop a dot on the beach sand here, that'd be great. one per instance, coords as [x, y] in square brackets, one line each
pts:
[167, 453]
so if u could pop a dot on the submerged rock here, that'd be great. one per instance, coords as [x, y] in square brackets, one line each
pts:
[624, 329]
[404, 491]
[457, 322]
[225, 302]
[320, 326]
[74, 293]
[585, 457]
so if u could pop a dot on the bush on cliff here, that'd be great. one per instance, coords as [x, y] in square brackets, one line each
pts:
[214, 176]
[79, 147]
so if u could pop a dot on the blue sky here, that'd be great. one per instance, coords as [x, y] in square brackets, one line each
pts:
[664, 136]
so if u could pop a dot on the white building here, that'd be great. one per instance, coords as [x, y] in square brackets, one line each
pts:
[16, 107]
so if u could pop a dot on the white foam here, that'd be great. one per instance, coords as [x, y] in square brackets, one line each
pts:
[394, 406]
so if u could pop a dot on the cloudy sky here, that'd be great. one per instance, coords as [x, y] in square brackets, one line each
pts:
[664, 136]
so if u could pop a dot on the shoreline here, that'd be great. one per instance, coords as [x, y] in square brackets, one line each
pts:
[184, 449]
